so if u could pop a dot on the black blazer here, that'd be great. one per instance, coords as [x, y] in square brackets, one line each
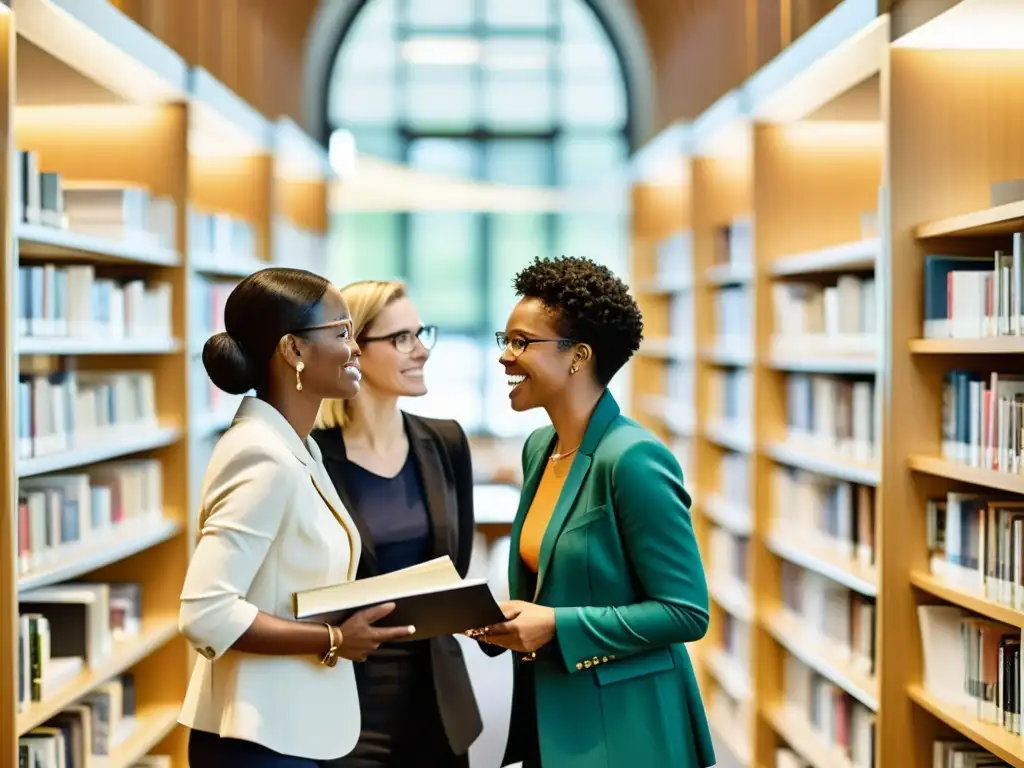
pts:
[441, 450]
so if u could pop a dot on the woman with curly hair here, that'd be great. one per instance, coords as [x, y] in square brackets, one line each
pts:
[605, 577]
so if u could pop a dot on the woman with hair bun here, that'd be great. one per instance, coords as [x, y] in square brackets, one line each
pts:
[268, 691]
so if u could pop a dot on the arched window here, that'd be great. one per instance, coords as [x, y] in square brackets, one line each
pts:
[526, 92]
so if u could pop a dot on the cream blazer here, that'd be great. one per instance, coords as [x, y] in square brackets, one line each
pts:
[270, 524]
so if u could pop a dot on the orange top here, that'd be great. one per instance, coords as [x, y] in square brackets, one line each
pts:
[541, 508]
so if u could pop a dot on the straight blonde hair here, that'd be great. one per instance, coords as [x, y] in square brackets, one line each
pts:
[366, 299]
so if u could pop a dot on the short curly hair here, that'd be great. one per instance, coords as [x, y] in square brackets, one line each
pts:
[592, 306]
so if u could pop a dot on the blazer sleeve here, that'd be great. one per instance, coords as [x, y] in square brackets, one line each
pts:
[246, 501]
[651, 506]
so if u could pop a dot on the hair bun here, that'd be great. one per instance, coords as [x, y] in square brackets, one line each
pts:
[227, 365]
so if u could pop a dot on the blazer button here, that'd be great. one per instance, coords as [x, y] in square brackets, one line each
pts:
[612, 658]
[605, 659]
[579, 666]
[587, 664]
[596, 660]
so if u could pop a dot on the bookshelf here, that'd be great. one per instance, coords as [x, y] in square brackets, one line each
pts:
[880, 175]
[139, 191]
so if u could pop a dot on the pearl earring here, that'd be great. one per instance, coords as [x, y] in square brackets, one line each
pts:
[298, 375]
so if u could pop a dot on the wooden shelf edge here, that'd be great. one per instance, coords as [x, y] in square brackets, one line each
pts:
[937, 587]
[42, 241]
[989, 221]
[42, 345]
[838, 466]
[132, 441]
[152, 726]
[847, 572]
[735, 437]
[986, 345]
[138, 535]
[1003, 744]
[156, 633]
[858, 255]
[824, 363]
[730, 676]
[795, 639]
[952, 470]
[804, 740]
[105, 45]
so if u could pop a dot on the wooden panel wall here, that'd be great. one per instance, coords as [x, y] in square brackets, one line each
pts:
[255, 47]
[701, 48]
[704, 48]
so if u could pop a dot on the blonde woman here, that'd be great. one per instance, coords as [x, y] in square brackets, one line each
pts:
[408, 483]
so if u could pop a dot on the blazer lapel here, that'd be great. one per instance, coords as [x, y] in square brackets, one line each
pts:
[517, 572]
[604, 413]
[333, 449]
[434, 480]
[346, 522]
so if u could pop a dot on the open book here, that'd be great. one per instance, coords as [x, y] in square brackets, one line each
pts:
[430, 596]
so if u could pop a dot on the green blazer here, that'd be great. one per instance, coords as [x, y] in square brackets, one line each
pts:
[619, 564]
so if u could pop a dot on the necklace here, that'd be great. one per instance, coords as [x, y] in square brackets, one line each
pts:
[559, 456]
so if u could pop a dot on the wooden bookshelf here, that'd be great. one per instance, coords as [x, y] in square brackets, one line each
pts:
[799, 152]
[872, 147]
[98, 99]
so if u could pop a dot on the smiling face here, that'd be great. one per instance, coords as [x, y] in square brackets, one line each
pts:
[538, 375]
[330, 355]
[393, 358]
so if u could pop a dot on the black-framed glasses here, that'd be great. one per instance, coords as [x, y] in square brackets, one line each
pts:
[346, 323]
[405, 341]
[518, 344]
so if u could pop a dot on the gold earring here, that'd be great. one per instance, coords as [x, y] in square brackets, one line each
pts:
[574, 368]
[298, 375]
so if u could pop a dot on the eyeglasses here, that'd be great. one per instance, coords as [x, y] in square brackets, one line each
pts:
[405, 341]
[518, 344]
[344, 324]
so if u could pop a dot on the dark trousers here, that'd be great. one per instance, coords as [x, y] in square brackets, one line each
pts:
[208, 750]
[401, 723]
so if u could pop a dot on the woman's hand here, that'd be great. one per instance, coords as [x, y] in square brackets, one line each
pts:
[529, 627]
[360, 638]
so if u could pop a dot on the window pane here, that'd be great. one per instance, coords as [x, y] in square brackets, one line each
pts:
[597, 236]
[593, 102]
[516, 238]
[353, 235]
[362, 100]
[440, 98]
[589, 158]
[518, 13]
[579, 22]
[518, 55]
[439, 13]
[519, 101]
[523, 162]
[586, 159]
[451, 157]
[454, 376]
[445, 268]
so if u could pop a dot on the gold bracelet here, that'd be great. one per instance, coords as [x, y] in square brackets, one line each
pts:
[330, 658]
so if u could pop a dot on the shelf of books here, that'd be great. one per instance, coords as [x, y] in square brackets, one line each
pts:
[857, 418]
[723, 304]
[952, 460]
[125, 211]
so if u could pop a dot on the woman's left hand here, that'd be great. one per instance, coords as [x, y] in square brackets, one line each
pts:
[529, 627]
